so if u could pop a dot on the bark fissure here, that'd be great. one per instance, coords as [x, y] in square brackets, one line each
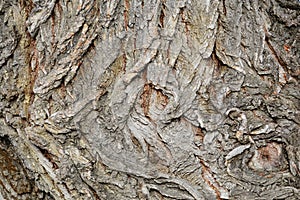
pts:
[160, 99]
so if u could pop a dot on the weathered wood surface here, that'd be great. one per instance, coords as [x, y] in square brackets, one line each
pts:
[136, 99]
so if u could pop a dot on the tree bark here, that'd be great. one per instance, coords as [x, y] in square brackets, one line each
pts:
[135, 99]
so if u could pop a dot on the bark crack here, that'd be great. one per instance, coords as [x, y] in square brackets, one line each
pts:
[208, 178]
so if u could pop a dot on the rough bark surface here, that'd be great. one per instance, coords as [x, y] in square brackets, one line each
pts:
[149, 99]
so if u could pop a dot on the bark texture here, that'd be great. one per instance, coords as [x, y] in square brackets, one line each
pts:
[149, 99]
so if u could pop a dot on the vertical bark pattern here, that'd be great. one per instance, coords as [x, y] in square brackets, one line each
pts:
[157, 99]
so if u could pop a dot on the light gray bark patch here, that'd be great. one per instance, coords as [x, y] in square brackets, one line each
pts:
[159, 99]
[236, 151]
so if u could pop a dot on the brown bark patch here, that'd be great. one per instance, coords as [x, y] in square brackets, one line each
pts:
[287, 48]
[11, 170]
[161, 99]
[31, 57]
[268, 158]
[198, 134]
[145, 99]
[153, 96]
[208, 178]
[125, 13]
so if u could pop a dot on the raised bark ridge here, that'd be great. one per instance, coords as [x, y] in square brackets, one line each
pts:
[133, 99]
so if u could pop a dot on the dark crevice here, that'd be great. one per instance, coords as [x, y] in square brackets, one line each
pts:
[48, 155]
[5, 140]
[278, 58]
[162, 14]
[290, 4]
[219, 64]
[206, 169]
[13, 165]
[95, 194]
[224, 7]
[142, 4]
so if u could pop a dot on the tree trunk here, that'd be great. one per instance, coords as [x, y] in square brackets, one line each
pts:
[136, 99]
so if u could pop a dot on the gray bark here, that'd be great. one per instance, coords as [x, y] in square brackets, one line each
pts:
[136, 99]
